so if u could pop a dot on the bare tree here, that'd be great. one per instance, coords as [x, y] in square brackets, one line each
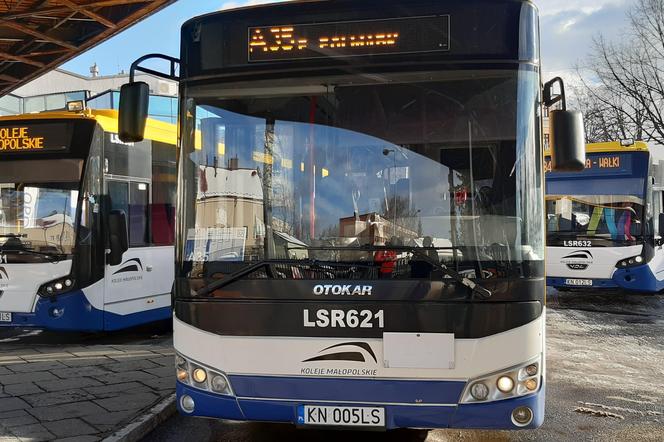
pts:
[627, 77]
[604, 116]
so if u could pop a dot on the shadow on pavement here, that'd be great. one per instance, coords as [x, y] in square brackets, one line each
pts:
[135, 335]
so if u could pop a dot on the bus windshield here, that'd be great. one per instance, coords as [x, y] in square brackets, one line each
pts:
[609, 219]
[310, 169]
[38, 201]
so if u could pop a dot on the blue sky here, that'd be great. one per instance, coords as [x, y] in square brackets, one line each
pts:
[568, 27]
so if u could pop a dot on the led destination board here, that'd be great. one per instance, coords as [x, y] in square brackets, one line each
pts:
[39, 137]
[602, 164]
[343, 39]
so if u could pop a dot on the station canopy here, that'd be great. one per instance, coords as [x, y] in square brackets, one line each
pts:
[39, 35]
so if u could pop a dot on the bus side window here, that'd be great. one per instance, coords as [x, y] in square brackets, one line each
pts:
[118, 192]
[137, 221]
[132, 198]
[657, 209]
[163, 188]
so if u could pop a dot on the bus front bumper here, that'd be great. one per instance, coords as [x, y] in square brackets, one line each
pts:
[562, 282]
[73, 312]
[492, 415]
[69, 311]
[638, 279]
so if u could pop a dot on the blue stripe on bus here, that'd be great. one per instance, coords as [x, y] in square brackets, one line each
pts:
[639, 278]
[493, 415]
[337, 389]
[79, 315]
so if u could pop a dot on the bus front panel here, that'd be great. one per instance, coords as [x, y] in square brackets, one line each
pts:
[360, 236]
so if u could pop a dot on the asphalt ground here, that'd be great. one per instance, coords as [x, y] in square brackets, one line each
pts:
[80, 386]
[605, 382]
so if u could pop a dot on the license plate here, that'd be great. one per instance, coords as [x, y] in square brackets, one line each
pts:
[5, 317]
[341, 416]
[581, 282]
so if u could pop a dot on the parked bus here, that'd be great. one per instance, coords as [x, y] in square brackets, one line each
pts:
[603, 225]
[86, 222]
[360, 235]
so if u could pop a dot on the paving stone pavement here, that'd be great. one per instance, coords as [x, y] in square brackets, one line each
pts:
[81, 392]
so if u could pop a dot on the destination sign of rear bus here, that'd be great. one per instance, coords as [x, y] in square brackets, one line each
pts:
[18, 138]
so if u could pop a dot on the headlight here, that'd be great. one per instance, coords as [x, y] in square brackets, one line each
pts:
[198, 376]
[219, 384]
[56, 287]
[479, 391]
[505, 384]
[514, 382]
[630, 262]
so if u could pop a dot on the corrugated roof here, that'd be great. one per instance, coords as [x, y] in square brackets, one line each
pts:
[39, 35]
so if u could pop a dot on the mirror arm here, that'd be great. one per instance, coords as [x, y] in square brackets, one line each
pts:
[174, 62]
[550, 100]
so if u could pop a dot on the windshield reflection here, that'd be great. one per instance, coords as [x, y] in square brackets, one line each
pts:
[429, 165]
[39, 215]
[616, 218]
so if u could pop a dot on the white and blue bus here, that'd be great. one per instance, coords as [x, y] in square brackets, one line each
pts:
[603, 224]
[360, 231]
[86, 222]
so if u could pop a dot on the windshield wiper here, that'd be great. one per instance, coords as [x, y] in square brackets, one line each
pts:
[235, 276]
[475, 288]
[49, 256]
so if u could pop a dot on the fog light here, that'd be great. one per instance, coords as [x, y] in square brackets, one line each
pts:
[182, 374]
[219, 384]
[479, 391]
[531, 370]
[522, 416]
[531, 384]
[505, 384]
[199, 375]
[57, 312]
[187, 403]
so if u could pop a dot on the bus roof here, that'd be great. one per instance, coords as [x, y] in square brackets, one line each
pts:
[155, 130]
[611, 146]
[616, 146]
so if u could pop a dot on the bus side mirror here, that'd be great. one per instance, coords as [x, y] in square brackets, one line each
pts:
[567, 137]
[134, 98]
[117, 236]
[661, 224]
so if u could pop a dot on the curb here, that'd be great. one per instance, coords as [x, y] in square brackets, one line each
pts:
[141, 426]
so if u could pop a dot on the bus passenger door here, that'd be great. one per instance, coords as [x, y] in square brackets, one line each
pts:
[138, 289]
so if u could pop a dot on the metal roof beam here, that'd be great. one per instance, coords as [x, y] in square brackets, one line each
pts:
[87, 13]
[8, 78]
[28, 30]
[22, 59]
[60, 9]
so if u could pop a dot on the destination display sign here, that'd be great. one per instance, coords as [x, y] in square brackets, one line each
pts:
[349, 38]
[34, 137]
[610, 163]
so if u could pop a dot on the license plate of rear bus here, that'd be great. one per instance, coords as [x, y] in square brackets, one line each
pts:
[341, 416]
[5, 317]
[579, 282]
